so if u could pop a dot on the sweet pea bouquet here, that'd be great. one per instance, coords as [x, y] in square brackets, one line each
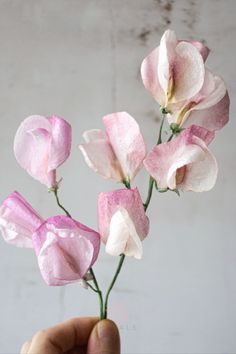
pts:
[194, 105]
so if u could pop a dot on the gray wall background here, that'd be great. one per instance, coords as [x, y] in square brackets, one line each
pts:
[81, 60]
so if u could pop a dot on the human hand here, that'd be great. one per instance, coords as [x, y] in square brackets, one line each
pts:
[76, 336]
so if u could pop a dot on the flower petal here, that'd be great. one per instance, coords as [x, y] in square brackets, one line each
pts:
[60, 142]
[123, 237]
[212, 117]
[129, 199]
[175, 164]
[31, 146]
[99, 155]
[188, 72]
[203, 50]
[65, 250]
[201, 176]
[42, 144]
[18, 221]
[150, 76]
[127, 142]
[167, 56]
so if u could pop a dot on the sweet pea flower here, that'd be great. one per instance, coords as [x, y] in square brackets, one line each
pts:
[66, 250]
[18, 221]
[41, 145]
[118, 153]
[174, 73]
[208, 109]
[184, 163]
[122, 222]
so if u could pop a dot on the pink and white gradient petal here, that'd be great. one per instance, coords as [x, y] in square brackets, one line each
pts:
[182, 163]
[121, 218]
[18, 221]
[41, 145]
[66, 250]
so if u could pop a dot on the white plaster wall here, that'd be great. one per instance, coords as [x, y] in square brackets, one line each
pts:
[80, 59]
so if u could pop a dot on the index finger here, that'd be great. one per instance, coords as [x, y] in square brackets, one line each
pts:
[63, 337]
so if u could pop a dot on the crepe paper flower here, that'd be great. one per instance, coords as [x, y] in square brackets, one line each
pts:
[184, 163]
[41, 145]
[66, 250]
[174, 71]
[122, 222]
[18, 221]
[118, 153]
[208, 109]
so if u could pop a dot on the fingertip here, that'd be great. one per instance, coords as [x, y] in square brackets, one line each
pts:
[107, 328]
[25, 347]
[104, 338]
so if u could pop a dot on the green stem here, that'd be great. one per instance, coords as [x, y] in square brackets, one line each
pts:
[122, 258]
[91, 287]
[171, 137]
[159, 141]
[99, 294]
[55, 191]
[149, 196]
[151, 179]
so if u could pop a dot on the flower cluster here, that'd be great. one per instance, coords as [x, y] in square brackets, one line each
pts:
[194, 104]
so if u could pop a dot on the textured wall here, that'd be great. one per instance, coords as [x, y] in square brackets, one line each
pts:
[80, 59]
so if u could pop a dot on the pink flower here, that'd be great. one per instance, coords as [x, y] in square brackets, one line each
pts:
[174, 73]
[18, 221]
[118, 153]
[122, 222]
[184, 163]
[41, 145]
[208, 109]
[66, 250]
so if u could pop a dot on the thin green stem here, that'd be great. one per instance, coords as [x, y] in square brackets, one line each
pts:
[55, 191]
[159, 141]
[91, 287]
[99, 293]
[171, 137]
[122, 258]
[149, 196]
[151, 179]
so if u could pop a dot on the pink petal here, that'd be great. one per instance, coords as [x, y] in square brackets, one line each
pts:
[42, 144]
[99, 155]
[31, 145]
[111, 202]
[167, 54]
[201, 176]
[186, 153]
[150, 76]
[127, 142]
[200, 132]
[18, 221]
[212, 112]
[188, 72]
[60, 142]
[66, 250]
[203, 50]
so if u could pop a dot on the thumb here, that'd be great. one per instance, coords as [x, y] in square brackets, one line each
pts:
[104, 338]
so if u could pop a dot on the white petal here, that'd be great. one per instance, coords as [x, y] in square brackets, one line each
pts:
[123, 237]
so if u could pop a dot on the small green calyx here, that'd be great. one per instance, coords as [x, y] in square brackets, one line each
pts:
[164, 190]
[164, 110]
[175, 128]
[126, 182]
